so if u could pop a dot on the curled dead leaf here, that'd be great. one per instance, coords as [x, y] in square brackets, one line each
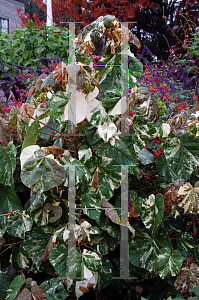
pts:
[60, 74]
[141, 96]
[31, 91]
[187, 279]
[189, 198]
[54, 149]
[27, 111]
[5, 136]
[170, 197]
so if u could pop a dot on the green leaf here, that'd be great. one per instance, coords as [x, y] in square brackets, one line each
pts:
[105, 276]
[36, 201]
[168, 264]
[82, 173]
[54, 289]
[122, 152]
[106, 64]
[51, 123]
[25, 54]
[109, 98]
[144, 248]
[195, 290]
[4, 284]
[41, 173]
[89, 204]
[135, 68]
[152, 212]
[20, 258]
[183, 155]
[164, 169]
[15, 287]
[15, 120]
[105, 241]
[108, 177]
[146, 157]
[8, 164]
[48, 81]
[18, 224]
[31, 135]
[106, 224]
[92, 261]
[59, 259]
[186, 242]
[8, 200]
[57, 106]
[35, 244]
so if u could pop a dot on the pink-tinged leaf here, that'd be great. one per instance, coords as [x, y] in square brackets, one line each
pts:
[110, 212]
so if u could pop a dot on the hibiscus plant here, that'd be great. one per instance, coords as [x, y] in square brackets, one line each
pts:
[85, 198]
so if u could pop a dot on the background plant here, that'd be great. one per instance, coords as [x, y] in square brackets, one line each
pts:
[27, 49]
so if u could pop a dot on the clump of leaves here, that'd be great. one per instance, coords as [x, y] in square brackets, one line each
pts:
[85, 164]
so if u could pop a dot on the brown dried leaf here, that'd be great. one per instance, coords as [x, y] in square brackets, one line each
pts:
[178, 119]
[88, 48]
[25, 295]
[31, 91]
[85, 80]
[37, 293]
[57, 211]
[142, 97]
[177, 184]
[133, 213]
[60, 74]
[190, 200]
[5, 137]
[95, 182]
[124, 35]
[81, 233]
[54, 149]
[84, 286]
[49, 247]
[170, 197]
[187, 279]
[27, 111]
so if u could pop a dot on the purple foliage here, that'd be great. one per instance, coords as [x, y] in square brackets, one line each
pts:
[170, 72]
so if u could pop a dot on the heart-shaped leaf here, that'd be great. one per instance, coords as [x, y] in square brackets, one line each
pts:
[41, 173]
[18, 224]
[168, 264]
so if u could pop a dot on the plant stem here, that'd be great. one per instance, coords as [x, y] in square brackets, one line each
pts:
[56, 136]
[75, 144]
[71, 140]
[98, 147]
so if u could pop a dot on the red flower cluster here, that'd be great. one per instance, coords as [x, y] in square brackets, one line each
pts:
[158, 153]
[180, 107]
